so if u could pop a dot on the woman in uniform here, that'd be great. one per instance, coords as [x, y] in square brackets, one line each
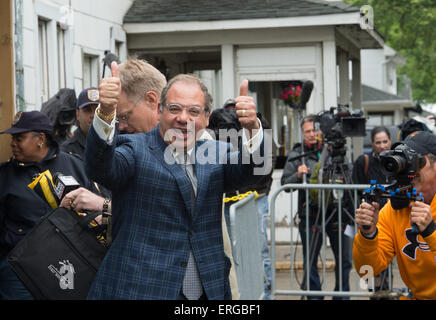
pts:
[34, 151]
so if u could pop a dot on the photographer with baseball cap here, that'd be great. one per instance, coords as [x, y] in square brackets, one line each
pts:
[386, 233]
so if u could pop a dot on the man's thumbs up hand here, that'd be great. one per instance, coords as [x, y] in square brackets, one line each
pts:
[243, 88]
[246, 108]
[115, 70]
[110, 90]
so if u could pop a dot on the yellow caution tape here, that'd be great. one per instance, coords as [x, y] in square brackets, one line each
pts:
[240, 196]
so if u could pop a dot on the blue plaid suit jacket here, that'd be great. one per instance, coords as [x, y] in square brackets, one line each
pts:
[153, 226]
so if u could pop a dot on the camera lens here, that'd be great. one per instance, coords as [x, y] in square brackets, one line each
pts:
[392, 165]
[67, 117]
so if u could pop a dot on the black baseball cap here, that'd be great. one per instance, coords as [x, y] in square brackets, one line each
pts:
[423, 142]
[30, 121]
[87, 97]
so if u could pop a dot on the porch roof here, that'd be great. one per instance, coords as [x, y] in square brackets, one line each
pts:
[148, 11]
[373, 97]
[169, 16]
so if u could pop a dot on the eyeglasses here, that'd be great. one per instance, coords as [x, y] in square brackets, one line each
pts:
[176, 109]
[125, 117]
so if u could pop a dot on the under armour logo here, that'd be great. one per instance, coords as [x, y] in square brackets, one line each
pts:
[410, 249]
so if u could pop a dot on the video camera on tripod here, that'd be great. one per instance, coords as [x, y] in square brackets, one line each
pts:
[336, 126]
[341, 124]
[402, 163]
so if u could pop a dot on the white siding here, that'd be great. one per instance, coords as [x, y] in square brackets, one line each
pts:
[90, 28]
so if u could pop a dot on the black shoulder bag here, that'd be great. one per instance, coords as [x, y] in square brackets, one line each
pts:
[59, 257]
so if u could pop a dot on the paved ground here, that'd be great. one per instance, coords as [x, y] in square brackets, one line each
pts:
[284, 276]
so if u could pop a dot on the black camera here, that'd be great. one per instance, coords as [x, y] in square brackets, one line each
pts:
[67, 117]
[401, 162]
[341, 124]
[336, 126]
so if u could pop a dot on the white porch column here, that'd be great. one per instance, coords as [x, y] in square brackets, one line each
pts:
[356, 93]
[228, 69]
[329, 74]
[344, 80]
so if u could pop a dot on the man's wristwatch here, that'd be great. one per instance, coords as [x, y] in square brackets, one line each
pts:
[106, 203]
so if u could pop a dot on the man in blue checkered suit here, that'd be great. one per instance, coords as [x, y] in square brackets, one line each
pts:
[163, 214]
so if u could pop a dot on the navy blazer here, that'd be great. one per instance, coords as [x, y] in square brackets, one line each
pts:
[153, 226]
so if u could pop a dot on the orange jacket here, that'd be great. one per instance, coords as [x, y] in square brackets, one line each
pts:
[416, 255]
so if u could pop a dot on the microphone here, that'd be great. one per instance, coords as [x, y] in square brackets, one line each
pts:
[109, 57]
[306, 91]
[63, 185]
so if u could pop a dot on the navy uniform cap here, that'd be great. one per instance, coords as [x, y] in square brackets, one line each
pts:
[30, 121]
[87, 97]
[423, 142]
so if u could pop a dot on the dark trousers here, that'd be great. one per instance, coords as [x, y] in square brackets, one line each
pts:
[315, 240]
[11, 288]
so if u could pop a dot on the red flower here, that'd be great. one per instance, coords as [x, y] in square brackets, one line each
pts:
[291, 94]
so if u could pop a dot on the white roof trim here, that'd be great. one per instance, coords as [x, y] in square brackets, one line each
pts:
[306, 21]
[398, 103]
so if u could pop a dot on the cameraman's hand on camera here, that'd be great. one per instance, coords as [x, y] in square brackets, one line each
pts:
[367, 215]
[302, 169]
[82, 200]
[420, 214]
[109, 91]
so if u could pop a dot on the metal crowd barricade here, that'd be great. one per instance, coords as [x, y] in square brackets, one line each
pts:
[323, 188]
[246, 249]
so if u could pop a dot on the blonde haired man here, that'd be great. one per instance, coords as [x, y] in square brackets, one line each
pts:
[141, 86]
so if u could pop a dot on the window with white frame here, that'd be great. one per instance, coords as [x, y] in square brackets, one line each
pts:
[118, 46]
[55, 46]
[61, 56]
[380, 119]
[90, 71]
[43, 59]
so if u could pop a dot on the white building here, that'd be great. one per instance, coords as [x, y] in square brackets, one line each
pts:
[61, 43]
[382, 101]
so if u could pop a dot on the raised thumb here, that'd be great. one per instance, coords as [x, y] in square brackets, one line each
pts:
[114, 69]
[243, 89]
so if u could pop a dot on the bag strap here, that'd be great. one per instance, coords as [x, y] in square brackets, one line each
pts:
[90, 216]
[366, 165]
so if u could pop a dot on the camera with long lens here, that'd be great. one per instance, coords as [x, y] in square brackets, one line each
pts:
[402, 163]
[67, 117]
